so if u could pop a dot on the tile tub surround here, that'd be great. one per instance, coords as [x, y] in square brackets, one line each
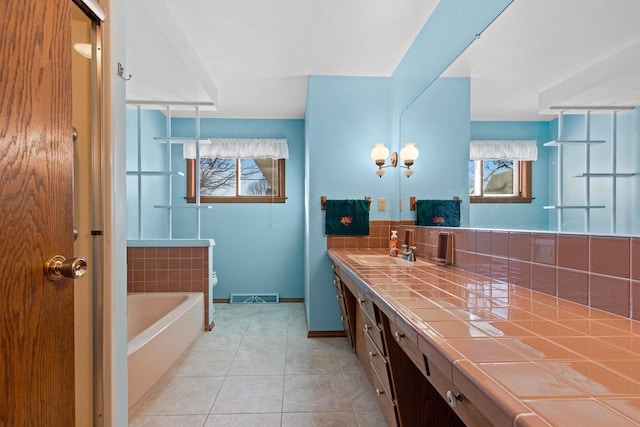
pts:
[524, 357]
[597, 271]
[169, 269]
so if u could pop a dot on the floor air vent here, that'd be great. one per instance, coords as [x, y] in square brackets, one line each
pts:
[254, 298]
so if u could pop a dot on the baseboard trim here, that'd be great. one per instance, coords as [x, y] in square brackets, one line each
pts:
[326, 334]
[291, 299]
[226, 300]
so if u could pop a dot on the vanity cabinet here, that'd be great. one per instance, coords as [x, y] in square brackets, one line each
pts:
[347, 304]
[409, 391]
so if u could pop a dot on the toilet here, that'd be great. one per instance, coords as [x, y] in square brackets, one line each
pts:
[212, 284]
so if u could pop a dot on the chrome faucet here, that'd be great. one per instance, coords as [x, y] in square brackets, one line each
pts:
[407, 252]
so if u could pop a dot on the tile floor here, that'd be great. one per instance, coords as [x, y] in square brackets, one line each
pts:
[258, 368]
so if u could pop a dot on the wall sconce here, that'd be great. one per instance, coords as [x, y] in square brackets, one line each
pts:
[380, 154]
[409, 154]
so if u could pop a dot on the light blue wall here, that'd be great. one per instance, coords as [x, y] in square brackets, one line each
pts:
[259, 247]
[450, 29]
[345, 116]
[155, 223]
[517, 215]
[628, 160]
[438, 122]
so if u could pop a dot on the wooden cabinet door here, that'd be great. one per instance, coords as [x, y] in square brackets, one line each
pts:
[36, 216]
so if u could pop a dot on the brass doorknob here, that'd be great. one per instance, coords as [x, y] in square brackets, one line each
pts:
[58, 267]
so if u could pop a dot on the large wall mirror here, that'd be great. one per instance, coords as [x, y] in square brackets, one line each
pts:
[537, 59]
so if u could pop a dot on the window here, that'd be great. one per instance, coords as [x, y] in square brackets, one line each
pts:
[500, 171]
[237, 170]
[237, 180]
[500, 181]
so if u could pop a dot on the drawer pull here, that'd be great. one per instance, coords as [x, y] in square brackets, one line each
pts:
[338, 297]
[342, 318]
[334, 282]
[398, 335]
[379, 392]
[366, 327]
[361, 301]
[453, 398]
[372, 355]
[333, 267]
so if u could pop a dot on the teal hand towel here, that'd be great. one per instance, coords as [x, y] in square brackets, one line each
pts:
[445, 213]
[346, 217]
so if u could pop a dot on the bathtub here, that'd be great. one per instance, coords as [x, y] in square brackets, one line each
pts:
[160, 328]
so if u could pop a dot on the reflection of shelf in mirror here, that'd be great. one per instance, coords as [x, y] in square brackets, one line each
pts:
[574, 207]
[605, 175]
[155, 173]
[179, 139]
[182, 207]
[572, 141]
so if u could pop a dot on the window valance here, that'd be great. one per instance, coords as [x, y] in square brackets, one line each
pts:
[238, 148]
[500, 150]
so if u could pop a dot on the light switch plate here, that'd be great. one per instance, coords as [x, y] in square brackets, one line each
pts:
[382, 204]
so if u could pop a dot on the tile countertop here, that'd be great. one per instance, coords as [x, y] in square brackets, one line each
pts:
[522, 357]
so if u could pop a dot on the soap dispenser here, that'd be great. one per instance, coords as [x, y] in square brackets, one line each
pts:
[393, 243]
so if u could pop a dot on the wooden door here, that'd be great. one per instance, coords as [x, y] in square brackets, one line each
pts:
[36, 209]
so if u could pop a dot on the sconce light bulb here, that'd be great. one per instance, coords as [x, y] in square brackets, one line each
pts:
[379, 152]
[409, 152]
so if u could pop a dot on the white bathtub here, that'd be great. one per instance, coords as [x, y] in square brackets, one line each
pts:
[160, 328]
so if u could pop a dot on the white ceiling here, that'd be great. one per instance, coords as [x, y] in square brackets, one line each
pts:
[252, 57]
[560, 48]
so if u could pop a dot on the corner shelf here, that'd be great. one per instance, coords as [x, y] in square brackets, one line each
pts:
[168, 172]
[587, 175]
[572, 142]
[605, 175]
[154, 173]
[182, 207]
[179, 139]
[573, 207]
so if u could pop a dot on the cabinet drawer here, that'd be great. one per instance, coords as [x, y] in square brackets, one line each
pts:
[385, 401]
[379, 364]
[337, 283]
[404, 337]
[347, 327]
[366, 304]
[374, 333]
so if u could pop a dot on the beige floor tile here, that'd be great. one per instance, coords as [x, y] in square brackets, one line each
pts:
[228, 373]
[184, 396]
[261, 362]
[205, 364]
[306, 393]
[309, 362]
[273, 340]
[244, 420]
[319, 419]
[268, 326]
[249, 394]
[370, 419]
[219, 340]
[238, 324]
[169, 421]
[361, 393]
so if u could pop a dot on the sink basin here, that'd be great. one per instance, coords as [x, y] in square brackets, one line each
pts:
[379, 260]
